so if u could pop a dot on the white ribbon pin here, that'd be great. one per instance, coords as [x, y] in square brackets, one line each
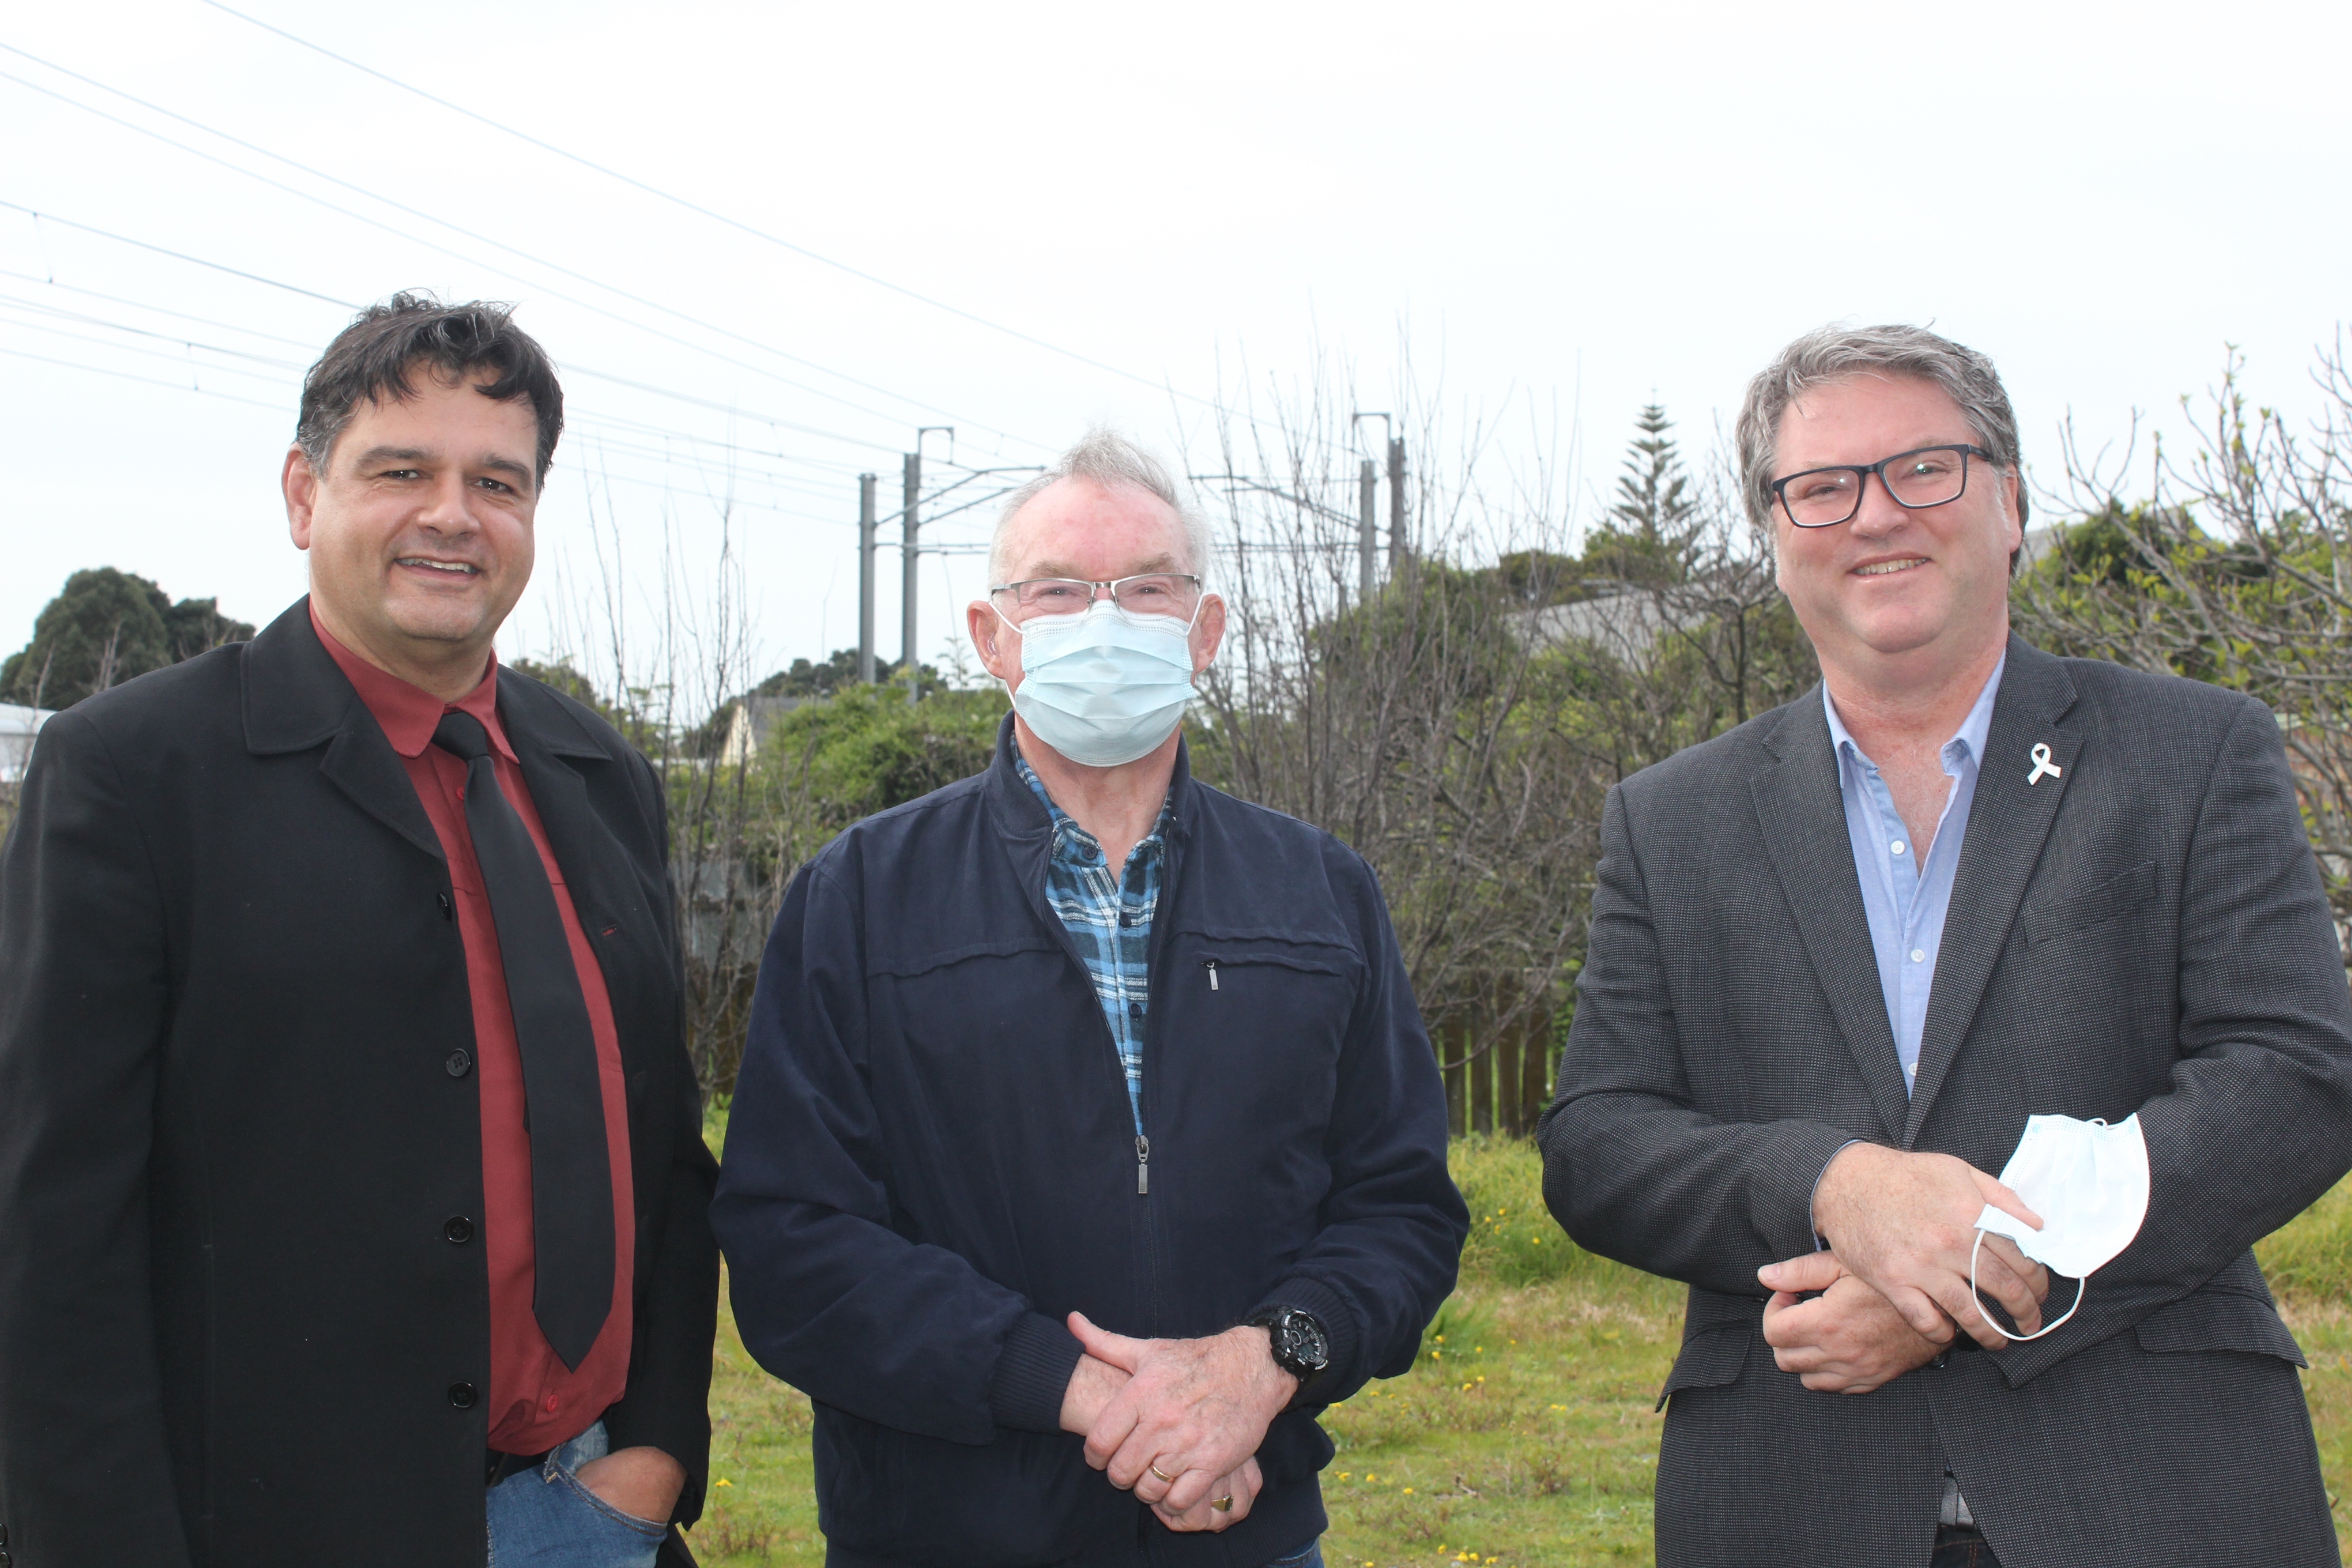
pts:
[2043, 765]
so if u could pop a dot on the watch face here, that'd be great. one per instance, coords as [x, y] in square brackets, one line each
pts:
[1304, 1342]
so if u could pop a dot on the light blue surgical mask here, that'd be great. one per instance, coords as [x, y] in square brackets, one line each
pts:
[1104, 687]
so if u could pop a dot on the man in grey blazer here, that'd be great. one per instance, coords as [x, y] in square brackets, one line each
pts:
[1841, 954]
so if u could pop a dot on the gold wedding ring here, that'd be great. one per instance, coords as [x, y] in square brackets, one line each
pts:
[1162, 1474]
[1222, 1504]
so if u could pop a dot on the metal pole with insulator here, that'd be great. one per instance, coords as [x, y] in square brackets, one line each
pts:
[1368, 484]
[1396, 505]
[910, 556]
[866, 549]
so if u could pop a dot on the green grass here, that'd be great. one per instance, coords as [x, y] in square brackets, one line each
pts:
[1523, 1436]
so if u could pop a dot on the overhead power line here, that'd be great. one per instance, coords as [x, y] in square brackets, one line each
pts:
[570, 369]
[479, 238]
[698, 463]
[575, 419]
[157, 310]
[39, 217]
[151, 381]
[719, 218]
[32, 307]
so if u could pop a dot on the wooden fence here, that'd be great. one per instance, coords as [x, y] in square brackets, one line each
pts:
[1496, 1080]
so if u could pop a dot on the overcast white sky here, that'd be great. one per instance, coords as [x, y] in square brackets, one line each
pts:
[1556, 211]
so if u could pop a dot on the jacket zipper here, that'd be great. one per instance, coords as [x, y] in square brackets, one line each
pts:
[1211, 965]
[1142, 1165]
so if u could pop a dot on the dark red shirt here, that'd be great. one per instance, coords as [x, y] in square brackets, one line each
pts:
[536, 1402]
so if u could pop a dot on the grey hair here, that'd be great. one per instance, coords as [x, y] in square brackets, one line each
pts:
[1834, 353]
[1114, 462]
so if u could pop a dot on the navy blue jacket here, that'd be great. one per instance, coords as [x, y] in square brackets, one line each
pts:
[931, 1161]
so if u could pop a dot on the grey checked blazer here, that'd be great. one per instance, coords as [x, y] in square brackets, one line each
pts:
[2146, 932]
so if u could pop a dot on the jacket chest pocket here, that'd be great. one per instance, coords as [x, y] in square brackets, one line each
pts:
[1276, 1015]
[2130, 893]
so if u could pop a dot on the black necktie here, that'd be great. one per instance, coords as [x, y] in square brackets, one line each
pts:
[563, 1101]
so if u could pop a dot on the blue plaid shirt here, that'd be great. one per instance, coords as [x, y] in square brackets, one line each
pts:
[1110, 922]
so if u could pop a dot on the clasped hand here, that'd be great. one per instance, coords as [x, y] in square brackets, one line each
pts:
[1176, 1421]
[1894, 1284]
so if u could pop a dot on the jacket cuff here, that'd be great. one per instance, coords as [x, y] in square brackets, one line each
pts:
[1780, 1183]
[1812, 1214]
[1033, 1374]
[1340, 1328]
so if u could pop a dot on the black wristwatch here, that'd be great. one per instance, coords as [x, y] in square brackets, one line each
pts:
[1301, 1345]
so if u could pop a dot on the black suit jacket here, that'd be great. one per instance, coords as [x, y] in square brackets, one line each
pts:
[232, 1127]
[2146, 933]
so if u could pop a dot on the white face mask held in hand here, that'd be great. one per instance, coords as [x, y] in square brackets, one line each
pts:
[1104, 687]
[2088, 1182]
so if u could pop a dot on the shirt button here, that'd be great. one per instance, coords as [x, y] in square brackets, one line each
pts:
[457, 1229]
[552, 1403]
[459, 1064]
[1918, 955]
[461, 1395]
[1896, 847]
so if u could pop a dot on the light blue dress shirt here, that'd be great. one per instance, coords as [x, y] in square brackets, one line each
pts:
[1905, 895]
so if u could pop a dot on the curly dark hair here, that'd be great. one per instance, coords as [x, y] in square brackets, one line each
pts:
[373, 357]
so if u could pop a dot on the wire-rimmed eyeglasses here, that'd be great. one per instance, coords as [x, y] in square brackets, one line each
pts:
[1174, 593]
[1923, 477]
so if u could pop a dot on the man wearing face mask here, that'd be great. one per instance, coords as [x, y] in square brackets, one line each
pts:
[1088, 1141]
[1964, 909]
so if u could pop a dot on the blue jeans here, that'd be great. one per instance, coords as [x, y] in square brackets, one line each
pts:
[1308, 1556]
[544, 1518]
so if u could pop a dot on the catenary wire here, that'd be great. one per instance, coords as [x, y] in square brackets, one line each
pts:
[572, 369]
[499, 245]
[720, 217]
[582, 418]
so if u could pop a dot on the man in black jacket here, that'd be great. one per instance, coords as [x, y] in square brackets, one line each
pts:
[293, 938]
[1085, 1042]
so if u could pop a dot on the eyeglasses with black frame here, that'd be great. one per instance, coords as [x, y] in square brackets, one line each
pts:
[1174, 594]
[1921, 477]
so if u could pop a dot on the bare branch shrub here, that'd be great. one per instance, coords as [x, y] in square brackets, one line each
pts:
[1461, 727]
[657, 656]
[2232, 570]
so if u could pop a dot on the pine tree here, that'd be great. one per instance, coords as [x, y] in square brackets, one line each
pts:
[1648, 536]
[1654, 502]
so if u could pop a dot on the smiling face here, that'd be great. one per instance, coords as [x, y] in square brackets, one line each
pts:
[1896, 597]
[420, 530]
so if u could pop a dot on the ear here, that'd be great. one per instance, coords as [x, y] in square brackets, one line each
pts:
[1207, 632]
[299, 483]
[2013, 486]
[999, 645]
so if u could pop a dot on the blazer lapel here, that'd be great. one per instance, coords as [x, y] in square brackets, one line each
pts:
[582, 844]
[296, 698]
[2009, 822]
[1801, 813]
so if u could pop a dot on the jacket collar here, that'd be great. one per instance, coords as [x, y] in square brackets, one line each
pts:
[1018, 814]
[297, 699]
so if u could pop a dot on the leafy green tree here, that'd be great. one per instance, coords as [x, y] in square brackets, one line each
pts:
[839, 673]
[103, 629]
